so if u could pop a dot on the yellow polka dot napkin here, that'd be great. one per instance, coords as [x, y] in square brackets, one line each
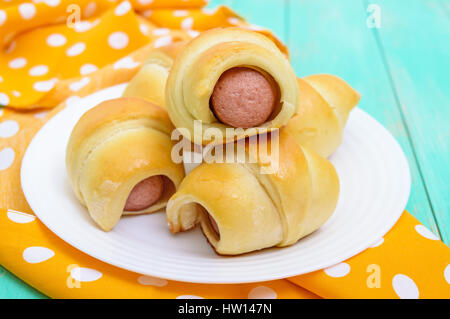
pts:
[46, 262]
[53, 49]
[409, 262]
[54, 52]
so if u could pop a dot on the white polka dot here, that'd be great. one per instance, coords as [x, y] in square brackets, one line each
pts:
[1, 79]
[256, 27]
[447, 274]
[160, 31]
[6, 158]
[4, 99]
[193, 33]
[145, 2]
[163, 41]
[40, 115]
[180, 13]
[126, 63]
[118, 40]
[38, 70]
[44, 86]
[209, 11]
[88, 68]
[425, 232]
[187, 23]
[76, 49]
[85, 274]
[19, 217]
[147, 13]
[144, 28]
[72, 100]
[262, 292]
[17, 63]
[122, 8]
[234, 21]
[405, 287]
[56, 40]
[35, 255]
[152, 281]
[78, 85]
[339, 270]
[189, 297]
[82, 26]
[16, 93]
[27, 10]
[2, 17]
[89, 10]
[377, 243]
[52, 3]
[8, 128]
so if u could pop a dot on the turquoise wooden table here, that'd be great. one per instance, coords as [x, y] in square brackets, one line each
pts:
[396, 53]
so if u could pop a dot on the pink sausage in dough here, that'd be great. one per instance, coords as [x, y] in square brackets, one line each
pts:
[214, 225]
[243, 97]
[145, 194]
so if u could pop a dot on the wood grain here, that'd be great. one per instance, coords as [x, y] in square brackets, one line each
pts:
[416, 46]
[327, 36]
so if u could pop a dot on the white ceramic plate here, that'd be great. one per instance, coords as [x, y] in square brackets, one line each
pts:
[375, 184]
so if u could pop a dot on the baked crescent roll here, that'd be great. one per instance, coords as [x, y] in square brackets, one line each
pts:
[326, 101]
[118, 160]
[230, 78]
[241, 209]
[150, 82]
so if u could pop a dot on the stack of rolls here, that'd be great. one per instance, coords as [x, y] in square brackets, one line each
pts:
[231, 78]
[238, 84]
[118, 160]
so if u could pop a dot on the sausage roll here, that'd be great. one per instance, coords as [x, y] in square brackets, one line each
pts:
[231, 78]
[325, 104]
[242, 209]
[118, 160]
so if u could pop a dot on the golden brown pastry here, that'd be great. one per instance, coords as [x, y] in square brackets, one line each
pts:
[119, 160]
[150, 82]
[264, 86]
[325, 103]
[242, 209]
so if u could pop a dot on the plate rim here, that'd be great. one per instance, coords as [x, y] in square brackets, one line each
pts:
[256, 277]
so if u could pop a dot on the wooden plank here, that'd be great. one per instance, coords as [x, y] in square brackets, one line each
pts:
[416, 43]
[12, 287]
[272, 14]
[328, 36]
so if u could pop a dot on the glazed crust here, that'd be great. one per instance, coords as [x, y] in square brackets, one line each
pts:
[254, 210]
[112, 148]
[322, 110]
[326, 101]
[199, 65]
